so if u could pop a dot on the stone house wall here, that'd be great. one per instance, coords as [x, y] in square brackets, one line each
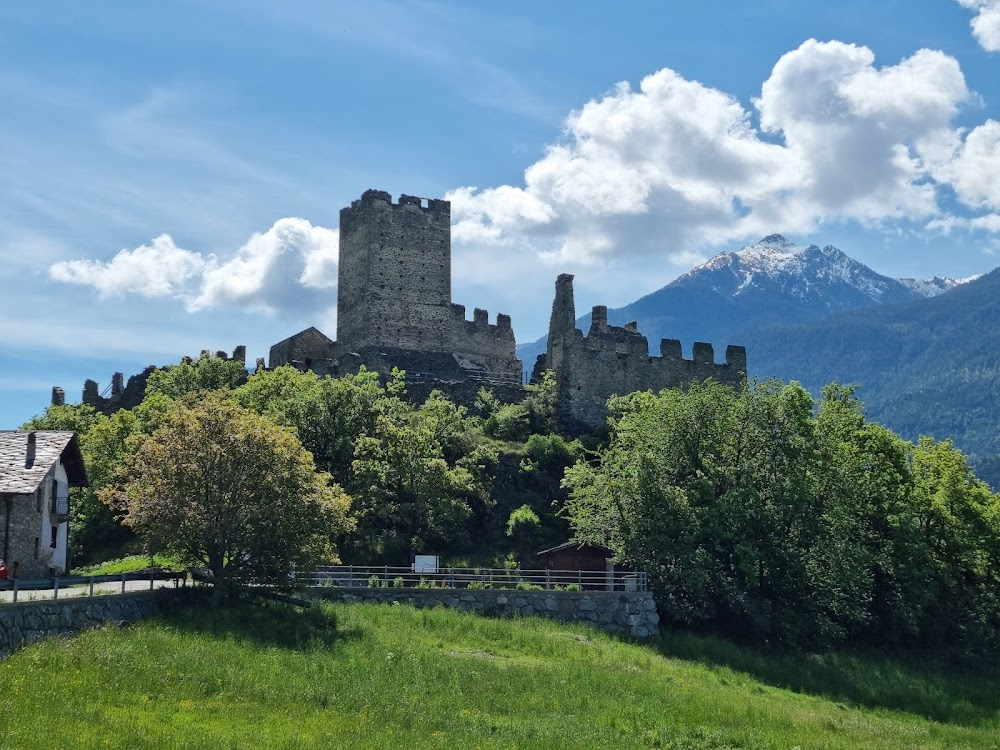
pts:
[29, 542]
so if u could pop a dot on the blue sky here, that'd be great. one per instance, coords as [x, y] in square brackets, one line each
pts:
[172, 173]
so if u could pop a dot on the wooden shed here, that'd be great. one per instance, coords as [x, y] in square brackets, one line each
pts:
[593, 564]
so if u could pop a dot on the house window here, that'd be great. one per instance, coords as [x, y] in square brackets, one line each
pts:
[38, 500]
[55, 536]
[38, 545]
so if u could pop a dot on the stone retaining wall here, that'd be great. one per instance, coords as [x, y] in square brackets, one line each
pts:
[626, 613]
[29, 622]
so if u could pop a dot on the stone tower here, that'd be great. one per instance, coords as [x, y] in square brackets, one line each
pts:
[394, 278]
[394, 307]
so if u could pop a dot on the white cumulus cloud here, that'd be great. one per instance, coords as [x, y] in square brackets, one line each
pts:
[159, 269]
[986, 23]
[677, 166]
[290, 267]
[974, 171]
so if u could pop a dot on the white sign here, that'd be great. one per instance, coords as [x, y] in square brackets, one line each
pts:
[425, 564]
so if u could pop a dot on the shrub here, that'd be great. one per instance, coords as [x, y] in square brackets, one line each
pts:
[509, 422]
[374, 582]
[548, 452]
[398, 582]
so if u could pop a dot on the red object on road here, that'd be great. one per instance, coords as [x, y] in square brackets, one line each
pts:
[3, 570]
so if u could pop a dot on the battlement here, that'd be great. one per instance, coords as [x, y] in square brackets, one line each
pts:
[614, 360]
[481, 319]
[381, 197]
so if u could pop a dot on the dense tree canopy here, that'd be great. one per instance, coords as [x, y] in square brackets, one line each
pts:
[756, 515]
[207, 373]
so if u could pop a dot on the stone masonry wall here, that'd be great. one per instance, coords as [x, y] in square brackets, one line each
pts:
[25, 529]
[394, 277]
[29, 534]
[394, 290]
[25, 623]
[613, 360]
[302, 349]
[625, 613]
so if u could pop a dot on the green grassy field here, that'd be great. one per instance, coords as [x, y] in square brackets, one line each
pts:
[131, 564]
[367, 676]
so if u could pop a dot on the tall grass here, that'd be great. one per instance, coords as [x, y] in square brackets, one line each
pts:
[371, 676]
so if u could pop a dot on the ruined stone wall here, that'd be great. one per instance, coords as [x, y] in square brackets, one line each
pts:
[485, 345]
[613, 360]
[123, 395]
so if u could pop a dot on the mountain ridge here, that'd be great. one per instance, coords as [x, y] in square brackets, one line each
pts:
[773, 281]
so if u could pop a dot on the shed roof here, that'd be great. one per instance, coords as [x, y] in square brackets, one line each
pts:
[18, 476]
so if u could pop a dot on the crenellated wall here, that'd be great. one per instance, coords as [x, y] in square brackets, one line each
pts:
[613, 360]
[129, 395]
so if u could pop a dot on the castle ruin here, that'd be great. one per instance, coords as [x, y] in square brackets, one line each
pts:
[394, 305]
[394, 310]
[613, 360]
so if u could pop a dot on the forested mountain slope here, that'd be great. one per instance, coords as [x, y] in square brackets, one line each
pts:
[924, 367]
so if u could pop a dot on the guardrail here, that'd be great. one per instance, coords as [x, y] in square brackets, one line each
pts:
[385, 576]
[62, 583]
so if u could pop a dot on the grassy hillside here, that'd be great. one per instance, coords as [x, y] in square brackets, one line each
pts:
[365, 676]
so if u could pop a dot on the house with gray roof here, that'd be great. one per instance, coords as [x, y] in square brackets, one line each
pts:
[37, 468]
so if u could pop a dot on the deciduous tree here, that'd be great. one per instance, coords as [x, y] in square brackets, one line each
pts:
[224, 488]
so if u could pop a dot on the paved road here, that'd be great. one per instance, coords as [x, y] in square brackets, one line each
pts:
[109, 587]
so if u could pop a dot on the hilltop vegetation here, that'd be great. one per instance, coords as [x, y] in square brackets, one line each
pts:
[432, 477]
[757, 513]
[368, 676]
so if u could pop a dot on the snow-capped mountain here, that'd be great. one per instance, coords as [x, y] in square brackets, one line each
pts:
[824, 279]
[772, 281]
[934, 287]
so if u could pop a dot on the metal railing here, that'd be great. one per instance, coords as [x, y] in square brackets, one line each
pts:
[78, 586]
[482, 376]
[60, 506]
[387, 576]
